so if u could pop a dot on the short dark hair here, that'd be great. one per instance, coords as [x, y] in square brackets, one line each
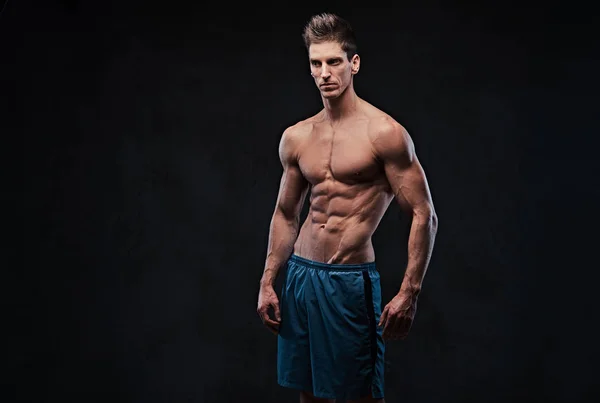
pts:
[330, 27]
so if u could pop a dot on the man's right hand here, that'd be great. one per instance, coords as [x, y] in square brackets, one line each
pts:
[267, 298]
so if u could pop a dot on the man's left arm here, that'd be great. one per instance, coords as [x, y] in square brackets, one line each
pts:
[406, 177]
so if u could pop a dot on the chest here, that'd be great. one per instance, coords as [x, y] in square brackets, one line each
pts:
[344, 155]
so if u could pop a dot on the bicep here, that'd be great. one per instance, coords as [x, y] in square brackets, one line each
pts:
[409, 184]
[404, 172]
[292, 191]
[293, 185]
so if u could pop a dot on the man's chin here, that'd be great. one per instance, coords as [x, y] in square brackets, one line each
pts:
[329, 94]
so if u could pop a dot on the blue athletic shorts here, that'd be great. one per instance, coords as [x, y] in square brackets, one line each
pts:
[329, 343]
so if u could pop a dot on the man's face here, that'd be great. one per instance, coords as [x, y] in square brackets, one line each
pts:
[330, 68]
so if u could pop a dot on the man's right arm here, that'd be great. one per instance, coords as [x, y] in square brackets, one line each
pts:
[285, 222]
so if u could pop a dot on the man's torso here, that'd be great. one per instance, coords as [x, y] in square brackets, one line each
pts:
[349, 192]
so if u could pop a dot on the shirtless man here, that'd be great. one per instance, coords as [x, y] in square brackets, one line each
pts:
[354, 159]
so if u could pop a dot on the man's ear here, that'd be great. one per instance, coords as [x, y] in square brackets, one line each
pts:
[355, 63]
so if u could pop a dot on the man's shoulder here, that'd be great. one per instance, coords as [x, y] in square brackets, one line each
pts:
[380, 122]
[293, 136]
[382, 126]
[387, 135]
[301, 128]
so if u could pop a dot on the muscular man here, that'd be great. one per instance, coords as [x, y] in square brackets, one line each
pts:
[354, 159]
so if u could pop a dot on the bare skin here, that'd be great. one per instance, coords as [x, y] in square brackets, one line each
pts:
[353, 160]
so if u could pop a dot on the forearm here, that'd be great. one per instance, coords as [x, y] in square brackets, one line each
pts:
[283, 233]
[420, 247]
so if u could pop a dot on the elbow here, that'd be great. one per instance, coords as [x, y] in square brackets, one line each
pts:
[427, 215]
[434, 222]
[288, 215]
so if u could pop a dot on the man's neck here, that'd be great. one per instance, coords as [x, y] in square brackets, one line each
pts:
[342, 107]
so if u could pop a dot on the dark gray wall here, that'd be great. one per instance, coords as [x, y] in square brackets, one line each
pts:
[151, 171]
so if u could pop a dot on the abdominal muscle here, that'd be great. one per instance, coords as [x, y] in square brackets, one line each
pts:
[341, 221]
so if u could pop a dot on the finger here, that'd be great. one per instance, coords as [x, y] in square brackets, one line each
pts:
[383, 317]
[261, 314]
[400, 329]
[277, 311]
[388, 330]
[273, 330]
[404, 328]
[265, 319]
[271, 323]
[393, 331]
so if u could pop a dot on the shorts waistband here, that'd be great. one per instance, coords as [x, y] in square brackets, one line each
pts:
[332, 266]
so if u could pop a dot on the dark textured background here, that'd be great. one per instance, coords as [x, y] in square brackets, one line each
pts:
[150, 168]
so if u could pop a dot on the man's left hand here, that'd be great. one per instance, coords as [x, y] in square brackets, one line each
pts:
[397, 316]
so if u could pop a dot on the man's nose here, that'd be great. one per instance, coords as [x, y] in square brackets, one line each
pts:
[324, 72]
